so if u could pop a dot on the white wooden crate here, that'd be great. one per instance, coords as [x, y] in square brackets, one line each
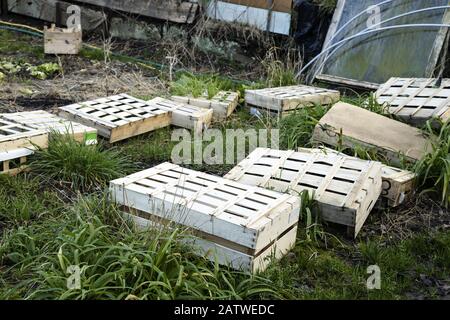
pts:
[62, 40]
[346, 189]
[282, 100]
[14, 161]
[245, 223]
[14, 136]
[416, 100]
[184, 115]
[43, 120]
[351, 126]
[118, 117]
[398, 185]
[223, 103]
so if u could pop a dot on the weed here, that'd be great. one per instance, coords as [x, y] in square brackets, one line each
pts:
[196, 86]
[279, 73]
[82, 167]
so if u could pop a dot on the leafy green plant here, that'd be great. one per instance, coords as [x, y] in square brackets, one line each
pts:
[196, 86]
[80, 166]
[433, 169]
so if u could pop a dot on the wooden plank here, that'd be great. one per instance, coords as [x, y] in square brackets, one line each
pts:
[283, 99]
[398, 185]
[223, 103]
[223, 254]
[16, 136]
[345, 188]
[56, 11]
[416, 100]
[62, 41]
[352, 126]
[250, 217]
[277, 5]
[170, 10]
[118, 117]
[184, 115]
[43, 120]
[15, 161]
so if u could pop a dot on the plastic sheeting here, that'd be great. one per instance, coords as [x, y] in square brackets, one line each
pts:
[379, 56]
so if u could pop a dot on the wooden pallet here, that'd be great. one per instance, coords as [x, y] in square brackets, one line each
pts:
[416, 100]
[118, 117]
[397, 185]
[283, 100]
[345, 189]
[16, 136]
[244, 223]
[184, 115]
[223, 104]
[352, 126]
[62, 41]
[43, 120]
[15, 161]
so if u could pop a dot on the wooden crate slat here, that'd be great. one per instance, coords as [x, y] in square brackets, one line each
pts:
[43, 120]
[14, 162]
[117, 117]
[354, 126]
[207, 208]
[346, 189]
[397, 185]
[285, 99]
[184, 115]
[227, 254]
[416, 100]
[223, 103]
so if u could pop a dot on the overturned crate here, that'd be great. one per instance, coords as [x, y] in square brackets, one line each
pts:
[15, 161]
[351, 126]
[43, 120]
[416, 100]
[118, 117]
[239, 225]
[397, 185]
[281, 101]
[184, 115]
[346, 189]
[16, 136]
[223, 103]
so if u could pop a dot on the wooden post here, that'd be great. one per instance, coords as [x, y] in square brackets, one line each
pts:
[4, 7]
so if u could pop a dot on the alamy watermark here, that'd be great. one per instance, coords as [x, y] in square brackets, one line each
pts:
[374, 280]
[216, 146]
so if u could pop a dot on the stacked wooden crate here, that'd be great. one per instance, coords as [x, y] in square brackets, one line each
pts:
[282, 101]
[16, 144]
[346, 189]
[239, 225]
[223, 103]
[184, 115]
[416, 100]
[43, 120]
[349, 126]
[118, 117]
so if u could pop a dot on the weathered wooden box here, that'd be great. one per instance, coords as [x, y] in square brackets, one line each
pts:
[242, 225]
[346, 189]
[416, 100]
[351, 126]
[16, 136]
[62, 41]
[43, 120]
[118, 117]
[223, 103]
[15, 161]
[281, 101]
[397, 185]
[184, 115]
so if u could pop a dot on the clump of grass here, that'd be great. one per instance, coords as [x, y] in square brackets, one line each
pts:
[196, 86]
[280, 72]
[326, 6]
[296, 129]
[80, 166]
[115, 262]
[433, 169]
